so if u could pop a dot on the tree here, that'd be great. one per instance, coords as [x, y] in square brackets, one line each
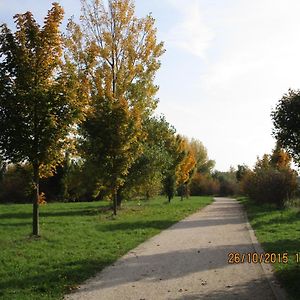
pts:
[242, 170]
[185, 169]
[2, 169]
[125, 57]
[146, 174]
[280, 159]
[200, 180]
[38, 103]
[286, 121]
[169, 184]
[204, 165]
[55, 186]
[227, 181]
[176, 155]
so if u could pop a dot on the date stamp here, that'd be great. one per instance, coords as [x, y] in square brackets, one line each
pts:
[255, 258]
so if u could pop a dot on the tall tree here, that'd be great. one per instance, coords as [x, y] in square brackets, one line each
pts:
[286, 120]
[185, 169]
[177, 155]
[38, 103]
[195, 160]
[125, 56]
[204, 165]
[146, 174]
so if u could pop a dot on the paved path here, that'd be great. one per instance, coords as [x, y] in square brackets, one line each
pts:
[187, 261]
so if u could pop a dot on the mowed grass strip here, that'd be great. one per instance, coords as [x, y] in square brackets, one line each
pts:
[78, 240]
[279, 232]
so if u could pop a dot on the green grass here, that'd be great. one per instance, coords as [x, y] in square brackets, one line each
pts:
[279, 232]
[78, 240]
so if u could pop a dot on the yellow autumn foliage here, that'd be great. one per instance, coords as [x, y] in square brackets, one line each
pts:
[186, 167]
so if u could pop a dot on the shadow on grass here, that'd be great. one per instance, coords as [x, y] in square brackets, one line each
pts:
[59, 213]
[13, 224]
[290, 277]
[288, 274]
[61, 279]
[288, 217]
[281, 246]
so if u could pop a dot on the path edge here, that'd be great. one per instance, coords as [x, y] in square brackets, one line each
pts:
[268, 270]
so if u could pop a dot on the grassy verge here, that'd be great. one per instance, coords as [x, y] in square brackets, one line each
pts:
[78, 240]
[279, 232]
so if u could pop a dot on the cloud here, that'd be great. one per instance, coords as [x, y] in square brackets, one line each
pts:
[260, 45]
[252, 58]
[256, 62]
[191, 33]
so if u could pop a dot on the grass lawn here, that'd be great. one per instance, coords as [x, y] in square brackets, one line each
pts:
[279, 232]
[78, 240]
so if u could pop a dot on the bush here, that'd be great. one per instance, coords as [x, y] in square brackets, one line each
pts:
[228, 182]
[228, 188]
[269, 183]
[203, 185]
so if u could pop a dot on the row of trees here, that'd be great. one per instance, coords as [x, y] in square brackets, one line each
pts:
[93, 85]
[76, 110]
[169, 163]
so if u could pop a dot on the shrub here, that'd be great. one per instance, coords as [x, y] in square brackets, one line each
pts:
[270, 182]
[228, 188]
[228, 182]
[203, 185]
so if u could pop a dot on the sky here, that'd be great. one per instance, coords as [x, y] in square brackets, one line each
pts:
[227, 64]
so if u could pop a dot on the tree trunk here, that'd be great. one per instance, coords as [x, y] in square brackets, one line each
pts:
[35, 213]
[147, 195]
[115, 200]
[169, 198]
[186, 190]
[119, 198]
[181, 192]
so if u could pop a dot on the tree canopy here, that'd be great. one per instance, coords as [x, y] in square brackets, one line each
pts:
[286, 121]
[94, 88]
[120, 55]
[38, 103]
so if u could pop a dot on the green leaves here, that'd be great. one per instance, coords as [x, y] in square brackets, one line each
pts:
[118, 54]
[286, 120]
[38, 96]
[38, 99]
[272, 180]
